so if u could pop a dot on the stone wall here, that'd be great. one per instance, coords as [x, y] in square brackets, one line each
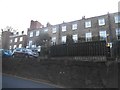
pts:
[66, 73]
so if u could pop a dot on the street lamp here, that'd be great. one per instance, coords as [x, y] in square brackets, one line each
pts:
[109, 45]
[107, 40]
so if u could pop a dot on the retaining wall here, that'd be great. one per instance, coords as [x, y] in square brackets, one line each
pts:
[65, 72]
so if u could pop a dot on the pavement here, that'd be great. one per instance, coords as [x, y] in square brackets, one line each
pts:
[9, 81]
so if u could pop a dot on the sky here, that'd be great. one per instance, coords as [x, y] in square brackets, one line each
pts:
[19, 13]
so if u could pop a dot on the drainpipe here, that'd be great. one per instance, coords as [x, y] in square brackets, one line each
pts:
[110, 37]
[59, 35]
[110, 29]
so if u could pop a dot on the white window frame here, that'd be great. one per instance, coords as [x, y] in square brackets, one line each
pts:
[88, 36]
[37, 33]
[88, 24]
[20, 46]
[16, 39]
[117, 18]
[30, 43]
[54, 30]
[39, 48]
[118, 33]
[63, 39]
[75, 37]
[103, 35]
[101, 21]
[31, 34]
[10, 47]
[64, 28]
[14, 46]
[21, 38]
[74, 26]
[53, 40]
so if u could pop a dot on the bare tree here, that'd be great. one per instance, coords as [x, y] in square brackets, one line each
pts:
[9, 28]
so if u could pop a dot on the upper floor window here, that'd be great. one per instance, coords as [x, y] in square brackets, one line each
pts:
[63, 39]
[74, 26]
[21, 38]
[118, 33]
[117, 18]
[88, 24]
[75, 37]
[88, 36]
[101, 21]
[31, 34]
[16, 39]
[63, 28]
[37, 33]
[103, 35]
[54, 30]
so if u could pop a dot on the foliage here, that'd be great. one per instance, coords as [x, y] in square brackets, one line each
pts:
[43, 39]
[95, 38]
[81, 39]
[69, 39]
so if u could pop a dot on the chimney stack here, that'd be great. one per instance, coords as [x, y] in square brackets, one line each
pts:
[22, 32]
[48, 24]
[83, 17]
[35, 25]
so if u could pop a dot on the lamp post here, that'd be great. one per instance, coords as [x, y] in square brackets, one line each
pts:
[108, 45]
[107, 40]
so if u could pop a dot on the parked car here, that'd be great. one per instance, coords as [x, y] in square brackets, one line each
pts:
[32, 53]
[5, 53]
[23, 52]
[19, 52]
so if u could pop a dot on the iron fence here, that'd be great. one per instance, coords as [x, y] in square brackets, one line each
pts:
[96, 48]
[116, 49]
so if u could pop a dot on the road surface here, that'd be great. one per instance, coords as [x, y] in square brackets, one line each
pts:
[17, 82]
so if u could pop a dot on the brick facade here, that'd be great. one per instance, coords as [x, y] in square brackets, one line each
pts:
[103, 27]
[99, 28]
[5, 39]
[18, 41]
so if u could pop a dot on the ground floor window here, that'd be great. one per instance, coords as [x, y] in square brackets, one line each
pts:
[103, 35]
[118, 33]
[88, 36]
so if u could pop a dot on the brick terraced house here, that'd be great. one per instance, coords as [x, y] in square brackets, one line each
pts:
[104, 27]
[18, 41]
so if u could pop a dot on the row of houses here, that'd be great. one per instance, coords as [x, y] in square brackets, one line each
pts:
[104, 27]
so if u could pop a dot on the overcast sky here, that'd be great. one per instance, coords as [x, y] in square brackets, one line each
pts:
[19, 13]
